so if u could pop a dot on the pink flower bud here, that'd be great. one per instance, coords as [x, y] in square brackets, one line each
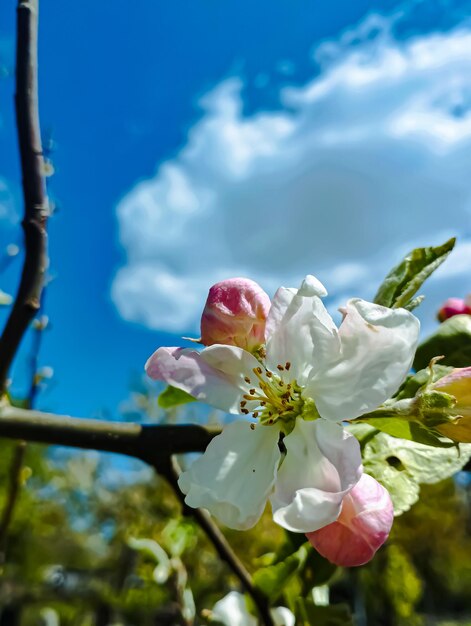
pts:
[235, 314]
[458, 384]
[361, 528]
[454, 306]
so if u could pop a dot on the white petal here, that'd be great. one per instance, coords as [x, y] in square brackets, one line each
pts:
[378, 346]
[281, 301]
[186, 369]
[235, 475]
[230, 360]
[311, 286]
[322, 464]
[282, 616]
[232, 611]
[300, 331]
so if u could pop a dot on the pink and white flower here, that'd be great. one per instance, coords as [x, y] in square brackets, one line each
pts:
[362, 527]
[309, 377]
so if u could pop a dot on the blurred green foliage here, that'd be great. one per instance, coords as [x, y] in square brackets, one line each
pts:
[70, 553]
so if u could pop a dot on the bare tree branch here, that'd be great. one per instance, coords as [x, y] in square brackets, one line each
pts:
[142, 441]
[36, 208]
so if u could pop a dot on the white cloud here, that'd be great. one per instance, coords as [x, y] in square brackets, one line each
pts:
[361, 163]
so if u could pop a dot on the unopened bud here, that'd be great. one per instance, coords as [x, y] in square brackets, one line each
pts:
[41, 323]
[235, 314]
[457, 384]
[454, 306]
[362, 527]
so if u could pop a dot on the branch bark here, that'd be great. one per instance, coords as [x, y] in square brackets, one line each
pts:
[142, 441]
[36, 208]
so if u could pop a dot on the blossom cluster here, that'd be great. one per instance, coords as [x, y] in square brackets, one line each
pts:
[294, 378]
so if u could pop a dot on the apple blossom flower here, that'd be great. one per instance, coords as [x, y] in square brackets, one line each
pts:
[235, 314]
[454, 306]
[362, 527]
[309, 377]
[232, 611]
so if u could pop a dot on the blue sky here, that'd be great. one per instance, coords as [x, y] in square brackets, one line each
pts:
[196, 140]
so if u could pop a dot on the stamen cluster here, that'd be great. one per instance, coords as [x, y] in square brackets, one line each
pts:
[272, 398]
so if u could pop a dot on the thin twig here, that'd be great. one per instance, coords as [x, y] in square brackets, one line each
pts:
[170, 470]
[36, 209]
[38, 334]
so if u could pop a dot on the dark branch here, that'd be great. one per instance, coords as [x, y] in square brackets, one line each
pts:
[36, 208]
[142, 441]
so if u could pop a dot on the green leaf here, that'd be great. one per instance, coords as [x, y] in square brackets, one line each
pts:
[363, 432]
[414, 303]
[179, 535]
[401, 466]
[308, 614]
[405, 429]
[271, 580]
[452, 339]
[414, 382]
[404, 280]
[174, 397]
[317, 570]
